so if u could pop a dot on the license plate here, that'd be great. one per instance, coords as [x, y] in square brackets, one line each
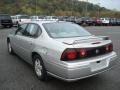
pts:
[95, 66]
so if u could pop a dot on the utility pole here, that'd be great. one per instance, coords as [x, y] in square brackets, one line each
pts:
[36, 7]
[71, 7]
[17, 4]
[98, 10]
[86, 8]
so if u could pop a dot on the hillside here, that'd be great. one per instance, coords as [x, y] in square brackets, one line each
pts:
[54, 7]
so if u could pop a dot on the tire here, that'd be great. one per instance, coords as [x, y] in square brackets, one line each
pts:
[39, 68]
[10, 50]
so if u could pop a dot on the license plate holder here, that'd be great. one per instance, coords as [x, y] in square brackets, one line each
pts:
[98, 65]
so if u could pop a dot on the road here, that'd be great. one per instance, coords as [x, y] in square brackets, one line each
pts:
[15, 74]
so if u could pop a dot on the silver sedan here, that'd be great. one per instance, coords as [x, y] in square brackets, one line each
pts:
[62, 49]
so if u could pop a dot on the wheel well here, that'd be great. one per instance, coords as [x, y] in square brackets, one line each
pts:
[33, 54]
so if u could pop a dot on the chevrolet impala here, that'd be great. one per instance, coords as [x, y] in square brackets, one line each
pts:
[62, 49]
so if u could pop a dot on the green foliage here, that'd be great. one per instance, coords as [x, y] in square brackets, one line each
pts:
[55, 7]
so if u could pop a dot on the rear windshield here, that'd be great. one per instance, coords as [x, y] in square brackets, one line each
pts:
[5, 17]
[65, 30]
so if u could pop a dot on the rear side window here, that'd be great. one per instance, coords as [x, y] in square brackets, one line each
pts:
[21, 29]
[32, 30]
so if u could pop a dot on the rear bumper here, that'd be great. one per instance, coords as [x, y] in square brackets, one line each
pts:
[72, 71]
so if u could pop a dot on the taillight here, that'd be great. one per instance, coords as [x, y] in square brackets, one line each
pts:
[109, 48]
[83, 53]
[73, 54]
[69, 54]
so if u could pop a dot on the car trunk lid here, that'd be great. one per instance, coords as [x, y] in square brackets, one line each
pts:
[92, 46]
[87, 41]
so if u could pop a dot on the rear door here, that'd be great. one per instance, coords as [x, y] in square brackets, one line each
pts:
[27, 40]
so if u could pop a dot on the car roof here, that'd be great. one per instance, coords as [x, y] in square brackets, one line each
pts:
[42, 22]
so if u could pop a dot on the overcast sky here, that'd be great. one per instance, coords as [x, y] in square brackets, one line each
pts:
[110, 4]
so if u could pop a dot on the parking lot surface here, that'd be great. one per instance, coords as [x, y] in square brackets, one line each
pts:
[15, 74]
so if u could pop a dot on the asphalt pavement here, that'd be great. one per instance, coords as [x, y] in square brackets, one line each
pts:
[16, 74]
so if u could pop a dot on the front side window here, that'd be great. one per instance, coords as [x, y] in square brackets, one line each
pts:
[65, 30]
